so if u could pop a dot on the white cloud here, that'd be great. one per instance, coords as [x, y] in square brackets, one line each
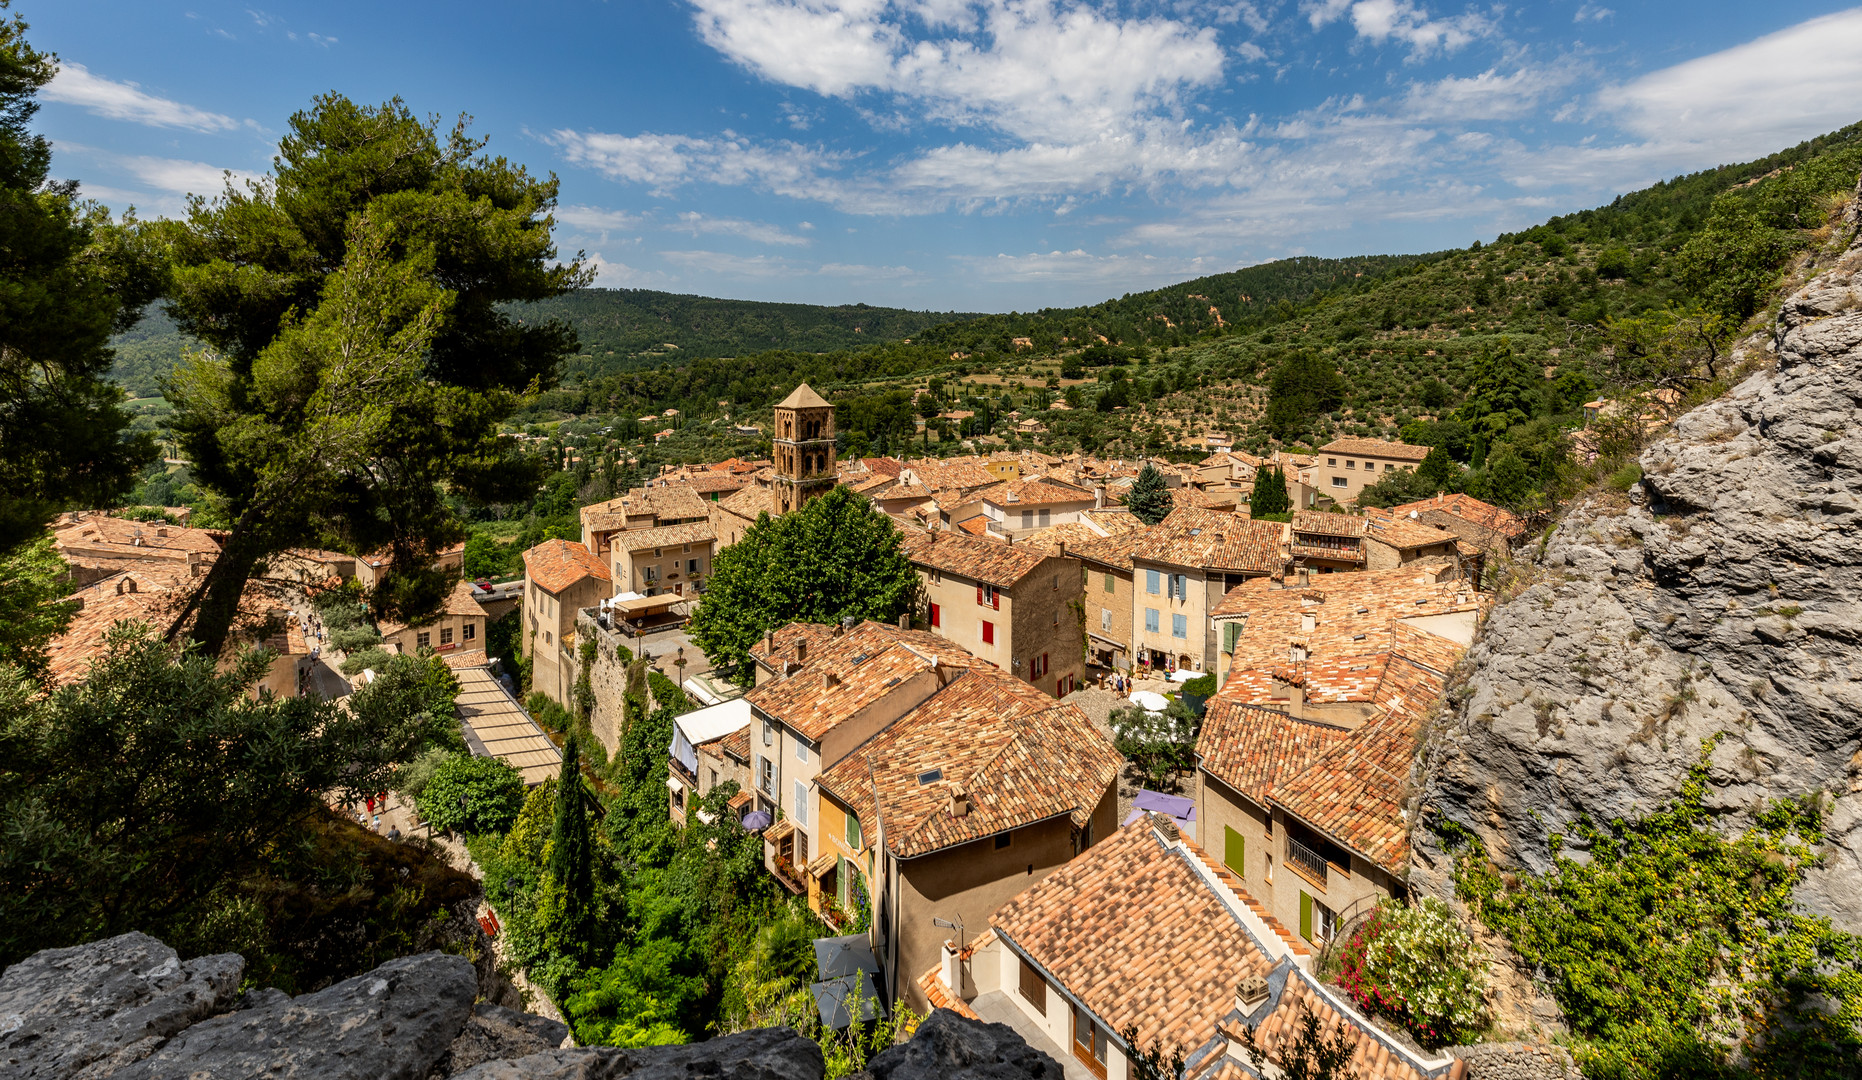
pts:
[1385, 20]
[616, 275]
[1765, 94]
[184, 177]
[1592, 13]
[760, 232]
[724, 264]
[595, 219]
[1036, 69]
[1250, 52]
[75, 85]
[663, 162]
[320, 39]
[1081, 267]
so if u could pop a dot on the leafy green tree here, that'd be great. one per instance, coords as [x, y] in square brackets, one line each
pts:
[571, 845]
[69, 280]
[130, 798]
[1394, 489]
[1731, 263]
[1673, 349]
[1502, 393]
[364, 353]
[1149, 500]
[834, 558]
[1303, 388]
[33, 581]
[471, 794]
[1270, 493]
[1438, 472]
[1159, 745]
[423, 689]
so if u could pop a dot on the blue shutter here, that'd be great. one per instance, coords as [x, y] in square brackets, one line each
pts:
[1150, 619]
[1180, 626]
[1150, 582]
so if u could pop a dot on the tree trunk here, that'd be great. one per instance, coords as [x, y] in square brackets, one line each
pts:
[216, 604]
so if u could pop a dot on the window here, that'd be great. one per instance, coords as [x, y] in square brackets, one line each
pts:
[471, 631]
[686, 548]
[766, 775]
[987, 596]
[801, 803]
[657, 553]
[1045, 518]
[1389, 467]
[1033, 988]
[853, 832]
[989, 633]
[714, 779]
[649, 573]
[446, 635]
[691, 566]
[1180, 626]
[678, 798]
[1150, 619]
[1350, 464]
[1056, 582]
[1332, 462]
[1109, 586]
[422, 639]
[1183, 586]
[1234, 851]
[769, 733]
[1150, 582]
[1105, 618]
[1027, 519]
[1318, 923]
[801, 750]
[937, 615]
[1002, 840]
[1089, 1042]
[1339, 481]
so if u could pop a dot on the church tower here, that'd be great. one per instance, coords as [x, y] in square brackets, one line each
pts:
[804, 449]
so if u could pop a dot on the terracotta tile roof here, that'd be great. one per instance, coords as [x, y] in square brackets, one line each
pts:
[1469, 508]
[872, 484]
[748, 502]
[952, 498]
[463, 600]
[90, 527]
[1353, 794]
[1251, 748]
[696, 532]
[993, 562]
[557, 564]
[1402, 533]
[1114, 550]
[1113, 520]
[737, 745]
[941, 998]
[1321, 524]
[665, 501]
[905, 491]
[780, 644]
[154, 598]
[850, 672]
[1035, 492]
[1019, 756]
[1376, 448]
[976, 526]
[1133, 930]
[803, 397]
[1072, 534]
[885, 466]
[705, 483]
[1352, 614]
[1192, 537]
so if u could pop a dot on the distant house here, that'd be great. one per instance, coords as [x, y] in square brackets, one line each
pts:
[1482, 525]
[458, 630]
[1346, 466]
[561, 577]
[1010, 604]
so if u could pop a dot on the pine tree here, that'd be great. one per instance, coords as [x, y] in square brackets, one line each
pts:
[1150, 498]
[1270, 493]
[571, 847]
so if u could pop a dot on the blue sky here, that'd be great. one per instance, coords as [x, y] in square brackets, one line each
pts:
[980, 155]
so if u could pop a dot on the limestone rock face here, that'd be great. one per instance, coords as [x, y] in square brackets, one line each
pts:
[392, 1023]
[88, 1010]
[949, 1047]
[1729, 600]
[763, 1054]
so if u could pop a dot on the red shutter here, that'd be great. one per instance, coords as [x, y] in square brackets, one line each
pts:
[989, 633]
[934, 616]
[979, 594]
[995, 596]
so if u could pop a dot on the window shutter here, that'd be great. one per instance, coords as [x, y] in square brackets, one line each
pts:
[1234, 851]
[995, 599]
[979, 594]
[1305, 916]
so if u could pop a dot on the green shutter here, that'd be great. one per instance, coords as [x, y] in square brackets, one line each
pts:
[1235, 851]
[1230, 631]
[1305, 916]
[1108, 582]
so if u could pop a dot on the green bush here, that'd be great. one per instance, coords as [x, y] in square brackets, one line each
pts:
[374, 657]
[1417, 966]
[411, 779]
[1626, 477]
[492, 794]
[354, 638]
[1203, 686]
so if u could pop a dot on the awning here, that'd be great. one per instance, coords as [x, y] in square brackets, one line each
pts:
[707, 816]
[839, 956]
[837, 999]
[675, 783]
[1115, 646]
[741, 800]
[822, 864]
[641, 604]
[781, 830]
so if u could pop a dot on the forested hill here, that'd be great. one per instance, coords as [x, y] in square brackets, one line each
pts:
[626, 328]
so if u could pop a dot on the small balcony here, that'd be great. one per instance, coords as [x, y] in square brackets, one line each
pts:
[1309, 862]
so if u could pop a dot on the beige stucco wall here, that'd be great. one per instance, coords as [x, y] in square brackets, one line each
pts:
[1194, 606]
[1381, 556]
[1109, 612]
[971, 881]
[1356, 470]
[1036, 616]
[1220, 808]
[670, 568]
[467, 635]
[549, 631]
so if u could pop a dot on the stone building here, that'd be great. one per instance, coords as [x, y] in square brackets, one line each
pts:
[803, 445]
[560, 578]
[1017, 606]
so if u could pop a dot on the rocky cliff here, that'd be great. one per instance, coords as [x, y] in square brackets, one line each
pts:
[129, 1008]
[1723, 596]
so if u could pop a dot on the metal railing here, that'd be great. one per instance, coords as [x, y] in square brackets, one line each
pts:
[1306, 859]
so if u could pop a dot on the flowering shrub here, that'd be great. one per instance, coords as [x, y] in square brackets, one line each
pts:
[1416, 966]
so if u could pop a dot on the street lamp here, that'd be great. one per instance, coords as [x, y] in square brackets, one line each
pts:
[948, 925]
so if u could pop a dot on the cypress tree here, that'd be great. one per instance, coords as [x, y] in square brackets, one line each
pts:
[1150, 498]
[1270, 493]
[571, 846]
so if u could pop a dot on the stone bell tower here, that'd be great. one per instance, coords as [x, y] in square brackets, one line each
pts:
[804, 449]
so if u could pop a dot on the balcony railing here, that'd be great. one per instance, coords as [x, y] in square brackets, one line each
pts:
[1308, 860]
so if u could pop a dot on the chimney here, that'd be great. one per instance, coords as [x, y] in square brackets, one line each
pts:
[1099, 496]
[1166, 827]
[801, 653]
[831, 680]
[959, 804]
[1063, 549]
[769, 643]
[1250, 992]
[905, 620]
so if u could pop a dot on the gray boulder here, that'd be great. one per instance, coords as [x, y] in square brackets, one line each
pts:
[495, 1033]
[951, 1047]
[763, 1054]
[88, 1010]
[390, 1024]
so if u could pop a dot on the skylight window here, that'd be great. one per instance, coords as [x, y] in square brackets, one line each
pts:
[930, 777]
